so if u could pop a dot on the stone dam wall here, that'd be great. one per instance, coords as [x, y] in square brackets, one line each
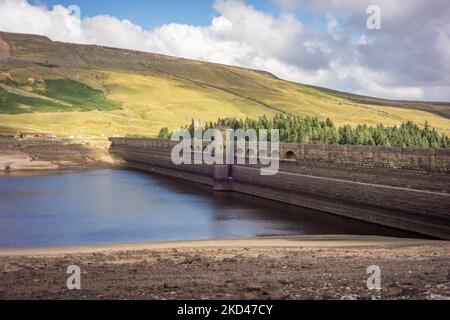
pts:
[407, 189]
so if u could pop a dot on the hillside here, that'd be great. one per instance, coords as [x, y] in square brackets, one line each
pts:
[95, 92]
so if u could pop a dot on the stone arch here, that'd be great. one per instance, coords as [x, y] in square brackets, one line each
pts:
[290, 155]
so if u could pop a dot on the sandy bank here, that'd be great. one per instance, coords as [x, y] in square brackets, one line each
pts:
[319, 241]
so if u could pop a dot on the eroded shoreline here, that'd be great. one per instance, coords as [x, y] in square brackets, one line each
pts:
[18, 158]
[317, 267]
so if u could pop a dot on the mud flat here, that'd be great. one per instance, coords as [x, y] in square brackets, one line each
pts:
[319, 267]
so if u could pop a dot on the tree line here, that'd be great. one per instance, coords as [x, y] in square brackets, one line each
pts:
[310, 129]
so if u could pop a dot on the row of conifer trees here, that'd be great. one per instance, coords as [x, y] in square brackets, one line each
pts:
[311, 129]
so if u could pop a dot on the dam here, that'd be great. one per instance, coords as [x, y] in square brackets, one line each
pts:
[406, 189]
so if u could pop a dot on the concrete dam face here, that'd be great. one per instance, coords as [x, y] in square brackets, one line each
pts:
[408, 189]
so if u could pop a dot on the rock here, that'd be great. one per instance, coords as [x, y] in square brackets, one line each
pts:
[254, 286]
[283, 282]
[409, 292]
[170, 286]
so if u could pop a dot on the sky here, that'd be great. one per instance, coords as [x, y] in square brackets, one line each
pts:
[325, 43]
[150, 13]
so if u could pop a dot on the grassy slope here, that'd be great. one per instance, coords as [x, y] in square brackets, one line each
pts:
[77, 94]
[60, 95]
[13, 103]
[155, 91]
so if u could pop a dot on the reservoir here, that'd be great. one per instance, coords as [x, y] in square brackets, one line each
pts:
[124, 206]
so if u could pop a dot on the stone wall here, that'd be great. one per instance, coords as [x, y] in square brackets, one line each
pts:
[367, 156]
[436, 160]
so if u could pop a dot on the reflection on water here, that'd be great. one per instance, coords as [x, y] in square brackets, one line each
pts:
[115, 206]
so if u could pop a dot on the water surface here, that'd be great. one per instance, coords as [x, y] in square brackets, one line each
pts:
[122, 206]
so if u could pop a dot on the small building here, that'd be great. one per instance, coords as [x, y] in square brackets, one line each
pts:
[38, 136]
[15, 136]
[9, 136]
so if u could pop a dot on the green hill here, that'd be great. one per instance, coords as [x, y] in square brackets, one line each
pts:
[94, 91]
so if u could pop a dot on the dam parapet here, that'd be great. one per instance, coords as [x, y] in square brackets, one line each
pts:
[435, 160]
[403, 188]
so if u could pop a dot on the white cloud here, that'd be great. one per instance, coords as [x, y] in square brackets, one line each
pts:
[408, 59]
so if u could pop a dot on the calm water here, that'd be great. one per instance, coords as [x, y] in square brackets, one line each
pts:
[119, 206]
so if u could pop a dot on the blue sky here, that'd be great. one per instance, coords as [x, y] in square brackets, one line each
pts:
[150, 14]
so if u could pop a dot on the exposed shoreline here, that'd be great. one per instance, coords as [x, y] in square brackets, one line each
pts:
[313, 267]
[29, 157]
[307, 241]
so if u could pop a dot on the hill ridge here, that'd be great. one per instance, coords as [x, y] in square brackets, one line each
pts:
[155, 90]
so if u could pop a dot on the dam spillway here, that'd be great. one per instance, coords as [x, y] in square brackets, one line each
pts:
[407, 189]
